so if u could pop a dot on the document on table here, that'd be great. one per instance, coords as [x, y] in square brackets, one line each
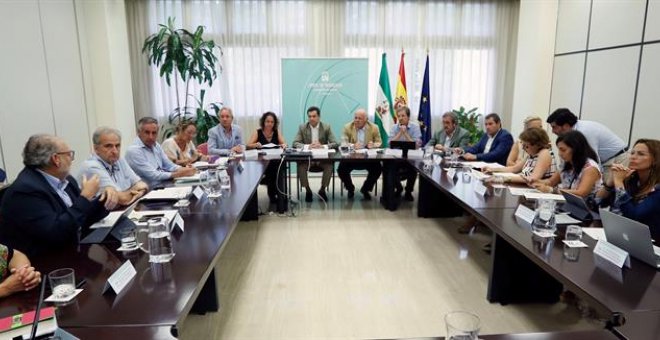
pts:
[481, 165]
[188, 179]
[565, 219]
[174, 193]
[595, 233]
[200, 164]
[479, 175]
[544, 196]
[521, 191]
[269, 145]
[505, 174]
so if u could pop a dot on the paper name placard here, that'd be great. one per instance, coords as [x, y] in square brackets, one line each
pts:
[198, 192]
[319, 153]
[612, 253]
[416, 154]
[480, 188]
[178, 222]
[251, 154]
[372, 153]
[524, 213]
[120, 278]
[394, 152]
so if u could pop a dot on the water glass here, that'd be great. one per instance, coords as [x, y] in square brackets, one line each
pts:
[128, 239]
[544, 217]
[462, 326]
[453, 156]
[497, 182]
[467, 174]
[62, 282]
[573, 233]
[343, 147]
[213, 188]
[159, 241]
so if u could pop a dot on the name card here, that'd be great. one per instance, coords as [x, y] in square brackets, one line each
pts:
[480, 188]
[525, 214]
[198, 192]
[319, 153]
[394, 152]
[251, 154]
[416, 154]
[371, 153]
[120, 278]
[612, 254]
[177, 222]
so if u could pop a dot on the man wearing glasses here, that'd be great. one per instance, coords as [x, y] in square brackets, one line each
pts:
[118, 182]
[44, 210]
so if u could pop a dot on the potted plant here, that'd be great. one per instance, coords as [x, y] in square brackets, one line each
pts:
[470, 121]
[185, 55]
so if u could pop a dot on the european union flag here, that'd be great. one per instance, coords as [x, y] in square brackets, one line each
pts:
[424, 116]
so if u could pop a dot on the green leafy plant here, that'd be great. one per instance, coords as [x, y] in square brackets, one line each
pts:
[204, 116]
[178, 52]
[469, 120]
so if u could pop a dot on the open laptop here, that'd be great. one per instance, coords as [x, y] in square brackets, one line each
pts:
[404, 146]
[98, 235]
[631, 236]
[577, 207]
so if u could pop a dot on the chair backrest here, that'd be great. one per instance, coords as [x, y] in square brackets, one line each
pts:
[203, 149]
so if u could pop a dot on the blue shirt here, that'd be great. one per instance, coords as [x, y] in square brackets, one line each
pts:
[150, 163]
[118, 175]
[220, 142]
[413, 130]
[59, 186]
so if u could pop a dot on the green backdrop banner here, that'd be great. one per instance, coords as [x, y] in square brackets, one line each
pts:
[338, 86]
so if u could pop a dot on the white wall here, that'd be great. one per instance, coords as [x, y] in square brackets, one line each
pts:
[534, 59]
[65, 69]
[598, 72]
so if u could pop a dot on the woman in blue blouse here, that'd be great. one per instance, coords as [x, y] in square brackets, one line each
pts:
[636, 188]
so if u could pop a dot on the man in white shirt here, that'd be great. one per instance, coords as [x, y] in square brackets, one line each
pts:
[609, 147]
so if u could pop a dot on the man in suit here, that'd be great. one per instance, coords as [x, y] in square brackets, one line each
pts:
[364, 135]
[451, 136]
[147, 158]
[315, 134]
[43, 209]
[226, 137]
[494, 145]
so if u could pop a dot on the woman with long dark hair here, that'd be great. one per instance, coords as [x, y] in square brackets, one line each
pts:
[268, 133]
[581, 173]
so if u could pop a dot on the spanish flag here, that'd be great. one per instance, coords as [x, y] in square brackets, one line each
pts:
[401, 97]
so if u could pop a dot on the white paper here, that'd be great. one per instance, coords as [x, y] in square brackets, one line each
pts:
[168, 214]
[319, 153]
[595, 233]
[525, 213]
[480, 189]
[222, 161]
[541, 195]
[565, 219]
[394, 152]
[120, 278]
[371, 153]
[416, 154]
[178, 222]
[479, 175]
[200, 164]
[505, 174]
[521, 191]
[52, 298]
[481, 165]
[273, 152]
[575, 244]
[193, 178]
[168, 193]
[251, 154]
[269, 145]
[612, 253]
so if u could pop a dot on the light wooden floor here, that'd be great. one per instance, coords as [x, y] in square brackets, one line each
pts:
[354, 271]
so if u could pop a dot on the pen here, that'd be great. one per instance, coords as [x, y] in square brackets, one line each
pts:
[81, 283]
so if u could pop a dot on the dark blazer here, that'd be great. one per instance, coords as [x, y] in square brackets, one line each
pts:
[35, 220]
[499, 150]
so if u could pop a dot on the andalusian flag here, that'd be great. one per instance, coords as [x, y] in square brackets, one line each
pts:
[401, 98]
[384, 116]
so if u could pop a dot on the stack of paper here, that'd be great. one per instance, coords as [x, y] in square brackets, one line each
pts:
[522, 191]
[544, 196]
[175, 193]
[188, 179]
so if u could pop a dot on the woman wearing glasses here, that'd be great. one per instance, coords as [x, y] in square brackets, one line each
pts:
[180, 148]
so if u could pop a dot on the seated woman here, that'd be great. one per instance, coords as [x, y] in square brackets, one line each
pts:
[580, 175]
[635, 190]
[540, 163]
[16, 273]
[180, 148]
[268, 133]
[517, 154]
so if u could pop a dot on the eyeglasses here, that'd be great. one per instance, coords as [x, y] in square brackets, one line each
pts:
[71, 153]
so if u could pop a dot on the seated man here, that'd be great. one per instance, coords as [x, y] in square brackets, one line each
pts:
[363, 134]
[405, 130]
[315, 134]
[148, 159]
[494, 145]
[451, 136]
[226, 137]
[43, 209]
[117, 180]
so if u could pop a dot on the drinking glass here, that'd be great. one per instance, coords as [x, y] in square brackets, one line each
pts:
[573, 233]
[343, 147]
[128, 239]
[159, 242]
[467, 174]
[213, 186]
[544, 217]
[462, 326]
[497, 182]
[62, 282]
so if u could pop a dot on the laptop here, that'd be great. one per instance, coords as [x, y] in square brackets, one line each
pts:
[631, 236]
[577, 207]
[98, 235]
[404, 146]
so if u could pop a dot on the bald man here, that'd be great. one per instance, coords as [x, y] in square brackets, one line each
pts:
[364, 135]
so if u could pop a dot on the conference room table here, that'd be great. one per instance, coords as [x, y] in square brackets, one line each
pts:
[528, 268]
[160, 296]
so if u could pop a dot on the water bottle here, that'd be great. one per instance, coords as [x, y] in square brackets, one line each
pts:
[544, 217]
